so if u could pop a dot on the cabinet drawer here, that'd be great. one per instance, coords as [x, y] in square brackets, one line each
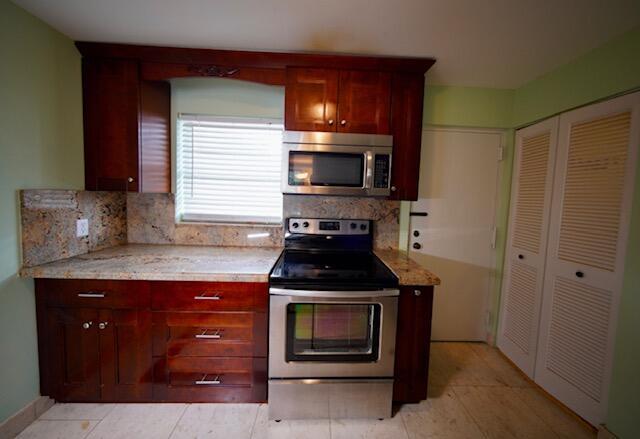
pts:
[191, 379]
[208, 296]
[212, 334]
[95, 293]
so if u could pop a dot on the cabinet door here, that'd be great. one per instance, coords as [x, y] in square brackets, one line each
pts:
[413, 339]
[310, 99]
[72, 351]
[125, 351]
[406, 128]
[589, 227]
[364, 101]
[534, 160]
[111, 106]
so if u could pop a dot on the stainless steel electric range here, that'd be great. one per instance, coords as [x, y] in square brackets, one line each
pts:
[332, 323]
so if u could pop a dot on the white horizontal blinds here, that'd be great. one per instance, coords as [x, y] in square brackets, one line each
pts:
[229, 169]
[593, 191]
[530, 199]
[578, 335]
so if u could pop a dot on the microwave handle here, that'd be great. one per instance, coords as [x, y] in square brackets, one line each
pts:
[368, 170]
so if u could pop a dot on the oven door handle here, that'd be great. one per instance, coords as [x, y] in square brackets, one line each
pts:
[387, 292]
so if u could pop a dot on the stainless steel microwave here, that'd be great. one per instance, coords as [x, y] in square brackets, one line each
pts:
[336, 163]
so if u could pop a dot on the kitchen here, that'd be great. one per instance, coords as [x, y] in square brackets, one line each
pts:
[283, 244]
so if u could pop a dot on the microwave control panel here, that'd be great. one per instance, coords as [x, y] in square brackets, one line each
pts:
[381, 171]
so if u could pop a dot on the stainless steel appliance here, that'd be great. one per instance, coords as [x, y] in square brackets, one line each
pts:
[332, 323]
[336, 163]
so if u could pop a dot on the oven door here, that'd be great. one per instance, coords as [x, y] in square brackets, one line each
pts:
[331, 169]
[323, 334]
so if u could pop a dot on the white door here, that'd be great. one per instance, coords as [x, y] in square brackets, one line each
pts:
[531, 188]
[591, 209]
[458, 192]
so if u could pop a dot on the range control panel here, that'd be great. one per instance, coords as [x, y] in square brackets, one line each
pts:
[315, 226]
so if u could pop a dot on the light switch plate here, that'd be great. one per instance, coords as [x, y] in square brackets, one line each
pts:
[82, 228]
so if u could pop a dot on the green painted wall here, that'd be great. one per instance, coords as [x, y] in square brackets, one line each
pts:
[467, 106]
[605, 71]
[40, 147]
[223, 97]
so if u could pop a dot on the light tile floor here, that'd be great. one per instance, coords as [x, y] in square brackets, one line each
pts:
[474, 393]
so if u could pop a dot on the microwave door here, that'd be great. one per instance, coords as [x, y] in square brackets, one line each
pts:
[334, 171]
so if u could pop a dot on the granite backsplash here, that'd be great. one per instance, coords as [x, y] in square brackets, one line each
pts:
[48, 221]
[151, 220]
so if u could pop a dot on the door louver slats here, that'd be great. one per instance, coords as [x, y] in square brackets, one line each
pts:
[594, 187]
[531, 193]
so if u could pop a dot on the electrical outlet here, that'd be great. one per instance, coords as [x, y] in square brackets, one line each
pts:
[82, 228]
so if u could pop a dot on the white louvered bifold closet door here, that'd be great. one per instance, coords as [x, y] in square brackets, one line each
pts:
[591, 209]
[526, 243]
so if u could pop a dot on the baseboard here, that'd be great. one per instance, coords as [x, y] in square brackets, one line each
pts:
[603, 433]
[24, 417]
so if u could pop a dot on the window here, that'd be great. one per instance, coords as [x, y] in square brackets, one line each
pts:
[229, 169]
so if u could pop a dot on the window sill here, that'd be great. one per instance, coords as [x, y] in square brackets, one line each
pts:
[229, 224]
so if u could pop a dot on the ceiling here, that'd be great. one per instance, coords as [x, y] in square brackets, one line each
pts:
[491, 43]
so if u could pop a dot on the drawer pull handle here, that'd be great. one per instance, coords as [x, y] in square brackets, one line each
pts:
[92, 294]
[203, 296]
[205, 382]
[204, 334]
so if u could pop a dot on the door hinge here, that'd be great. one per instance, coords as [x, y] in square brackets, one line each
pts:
[500, 153]
[494, 234]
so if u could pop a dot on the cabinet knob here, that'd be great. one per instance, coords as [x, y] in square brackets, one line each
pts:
[102, 325]
[416, 233]
[579, 274]
[330, 121]
[87, 325]
[393, 188]
[343, 122]
[417, 246]
[417, 292]
[520, 256]
[130, 179]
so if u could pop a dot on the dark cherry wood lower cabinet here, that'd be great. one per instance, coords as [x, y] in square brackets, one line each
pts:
[126, 341]
[72, 356]
[412, 344]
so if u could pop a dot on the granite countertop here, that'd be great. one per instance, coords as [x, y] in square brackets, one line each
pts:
[164, 262]
[198, 263]
[409, 272]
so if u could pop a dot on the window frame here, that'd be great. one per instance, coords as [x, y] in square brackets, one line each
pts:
[182, 217]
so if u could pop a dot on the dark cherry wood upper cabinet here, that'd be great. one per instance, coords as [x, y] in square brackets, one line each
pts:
[125, 354]
[72, 356]
[412, 344]
[364, 99]
[111, 100]
[310, 99]
[407, 93]
[126, 128]
[155, 137]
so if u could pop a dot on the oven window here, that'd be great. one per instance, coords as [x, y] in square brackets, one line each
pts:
[326, 169]
[333, 332]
